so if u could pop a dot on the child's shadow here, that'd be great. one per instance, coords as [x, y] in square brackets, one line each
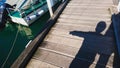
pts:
[94, 44]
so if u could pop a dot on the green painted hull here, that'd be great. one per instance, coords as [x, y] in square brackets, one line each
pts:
[7, 36]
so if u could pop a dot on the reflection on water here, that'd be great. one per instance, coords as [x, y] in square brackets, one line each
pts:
[26, 31]
[7, 36]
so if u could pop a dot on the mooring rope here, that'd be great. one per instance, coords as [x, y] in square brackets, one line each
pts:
[11, 50]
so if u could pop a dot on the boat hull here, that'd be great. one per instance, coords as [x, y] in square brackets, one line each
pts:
[24, 20]
[30, 18]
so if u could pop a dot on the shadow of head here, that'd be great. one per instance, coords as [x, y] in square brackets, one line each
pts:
[100, 27]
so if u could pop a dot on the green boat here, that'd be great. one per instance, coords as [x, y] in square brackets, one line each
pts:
[28, 11]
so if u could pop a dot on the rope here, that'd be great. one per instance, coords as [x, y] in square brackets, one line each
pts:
[11, 48]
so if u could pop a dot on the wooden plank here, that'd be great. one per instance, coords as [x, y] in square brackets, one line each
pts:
[87, 6]
[39, 64]
[84, 17]
[93, 27]
[53, 58]
[68, 50]
[93, 4]
[103, 11]
[64, 40]
[81, 27]
[81, 22]
[87, 14]
[89, 2]
[107, 33]
[69, 34]
[64, 33]
[84, 20]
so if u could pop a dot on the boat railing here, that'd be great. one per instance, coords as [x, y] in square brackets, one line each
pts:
[26, 55]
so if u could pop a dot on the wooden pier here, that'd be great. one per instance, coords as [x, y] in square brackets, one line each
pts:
[82, 37]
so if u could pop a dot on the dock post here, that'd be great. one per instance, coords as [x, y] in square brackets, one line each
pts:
[50, 4]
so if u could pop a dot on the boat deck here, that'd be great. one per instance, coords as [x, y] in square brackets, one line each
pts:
[82, 37]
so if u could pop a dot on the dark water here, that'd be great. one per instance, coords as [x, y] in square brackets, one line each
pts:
[7, 37]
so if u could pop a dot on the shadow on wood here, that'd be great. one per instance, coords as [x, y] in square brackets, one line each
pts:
[96, 50]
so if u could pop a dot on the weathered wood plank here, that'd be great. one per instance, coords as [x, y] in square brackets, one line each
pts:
[89, 21]
[85, 4]
[64, 40]
[80, 11]
[39, 64]
[68, 50]
[92, 2]
[88, 7]
[84, 17]
[88, 14]
[54, 58]
[81, 22]
[84, 28]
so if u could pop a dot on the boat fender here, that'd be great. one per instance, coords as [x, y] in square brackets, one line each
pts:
[40, 12]
[31, 17]
[35, 15]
